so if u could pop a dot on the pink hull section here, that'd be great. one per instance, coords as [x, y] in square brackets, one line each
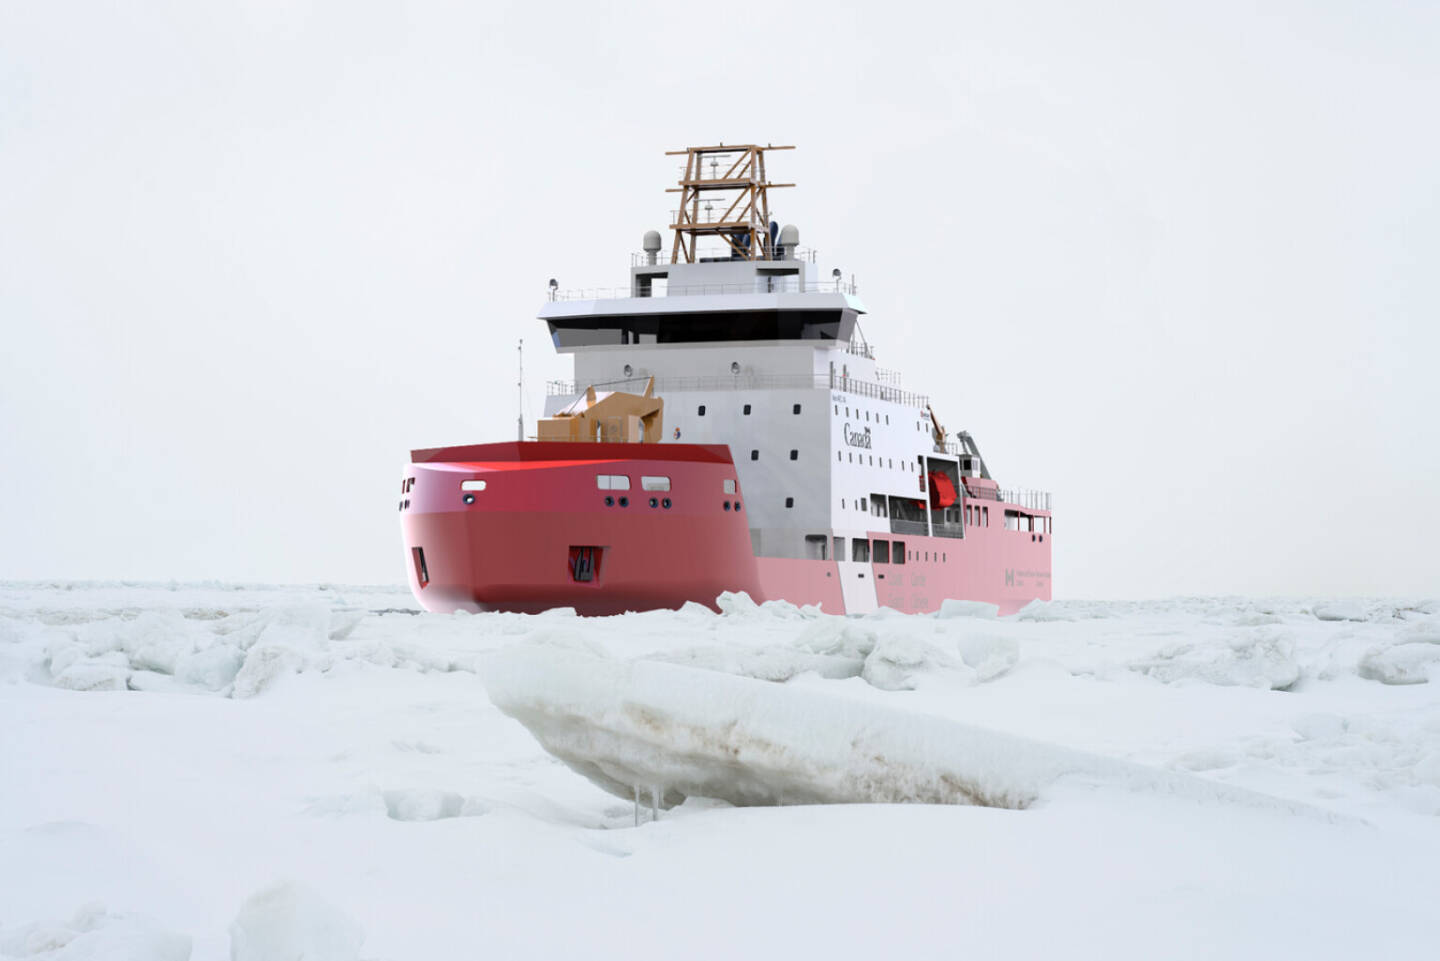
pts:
[538, 533]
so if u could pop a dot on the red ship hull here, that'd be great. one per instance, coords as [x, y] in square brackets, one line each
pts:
[541, 535]
[516, 547]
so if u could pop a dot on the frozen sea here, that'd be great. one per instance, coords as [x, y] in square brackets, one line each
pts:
[253, 772]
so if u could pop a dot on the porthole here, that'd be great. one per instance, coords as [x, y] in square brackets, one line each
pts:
[609, 501]
[624, 502]
[735, 367]
[665, 503]
[629, 370]
[654, 502]
[468, 498]
[737, 506]
[727, 505]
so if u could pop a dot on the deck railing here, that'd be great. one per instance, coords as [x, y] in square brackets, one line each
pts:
[760, 285]
[849, 385]
[797, 255]
[1021, 497]
[908, 527]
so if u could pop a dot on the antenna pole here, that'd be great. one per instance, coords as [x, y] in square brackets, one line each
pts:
[520, 391]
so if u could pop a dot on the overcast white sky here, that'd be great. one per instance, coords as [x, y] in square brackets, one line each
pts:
[1176, 263]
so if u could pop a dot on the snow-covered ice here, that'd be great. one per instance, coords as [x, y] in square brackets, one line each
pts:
[204, 770]
[290, 922]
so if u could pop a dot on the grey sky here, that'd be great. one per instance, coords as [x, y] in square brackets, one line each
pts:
[1176, 265]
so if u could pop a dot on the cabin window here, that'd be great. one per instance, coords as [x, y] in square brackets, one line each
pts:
[860, 550]
[898, 551]
[815, 547]
[747, 410]
[852, 457]
[842, 503]
[797, 409]
[887, 420]
[838, 456]
[754, 455]
[794, 455]
[789, 502]
[655, 483]
[729, 485]
[472, 485]
[882, 552]
[985, 513]
[700, 410]
[612, 482]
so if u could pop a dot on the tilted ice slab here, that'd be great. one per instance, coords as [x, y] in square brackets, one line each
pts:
[633, 726]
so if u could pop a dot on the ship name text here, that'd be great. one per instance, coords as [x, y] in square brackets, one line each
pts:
[857, 438]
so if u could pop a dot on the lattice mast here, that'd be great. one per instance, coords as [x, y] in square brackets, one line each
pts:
[724, 193]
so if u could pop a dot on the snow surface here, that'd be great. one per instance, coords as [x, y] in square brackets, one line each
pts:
[208, 770]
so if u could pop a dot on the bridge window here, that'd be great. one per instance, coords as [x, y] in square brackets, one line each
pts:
[839, 553]
[898, 551]
[612, 482]
[815, 547]
[860, 550]
[882, 552]
[655, 483]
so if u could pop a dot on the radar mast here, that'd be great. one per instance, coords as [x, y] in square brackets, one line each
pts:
[724, 193]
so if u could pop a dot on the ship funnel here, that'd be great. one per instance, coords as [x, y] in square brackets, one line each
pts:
[789, 239]
[651, 245]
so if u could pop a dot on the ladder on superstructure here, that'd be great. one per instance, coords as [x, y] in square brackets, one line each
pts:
[735, 182]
